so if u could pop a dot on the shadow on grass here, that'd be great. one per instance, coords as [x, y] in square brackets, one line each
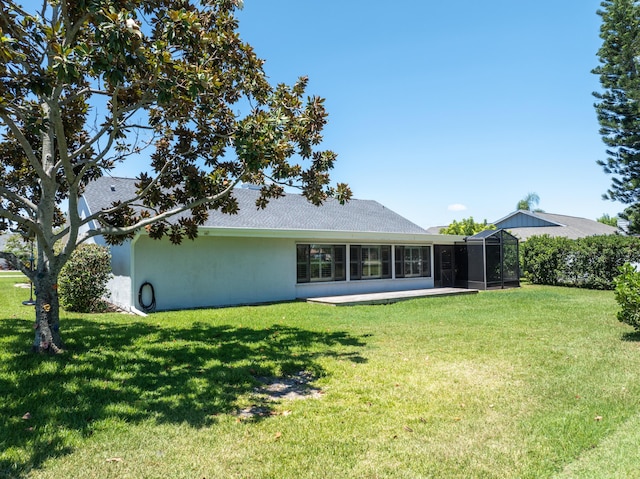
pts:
[136, 371]
[632, 337]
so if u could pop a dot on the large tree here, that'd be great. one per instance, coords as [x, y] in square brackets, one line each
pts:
[467, 227]
[618, 102]
[88, 84]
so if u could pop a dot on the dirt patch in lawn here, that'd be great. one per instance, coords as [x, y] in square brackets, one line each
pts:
[273, 389]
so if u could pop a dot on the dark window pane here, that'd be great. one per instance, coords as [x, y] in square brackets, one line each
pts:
[399, 262]
[340, 254]
[386, 261]
[302, 264]
[354, 262]
[426, 261]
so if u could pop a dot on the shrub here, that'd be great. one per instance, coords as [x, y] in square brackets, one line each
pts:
[543, 259]
[627, 294]
[83, 280]
[592, 262]
[598, 260]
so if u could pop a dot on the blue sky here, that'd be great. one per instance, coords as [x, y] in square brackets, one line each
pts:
[445, 110]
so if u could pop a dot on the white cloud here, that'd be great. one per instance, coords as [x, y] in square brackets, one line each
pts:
[457, 207]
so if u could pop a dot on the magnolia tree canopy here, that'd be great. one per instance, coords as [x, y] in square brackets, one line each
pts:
[166, 86]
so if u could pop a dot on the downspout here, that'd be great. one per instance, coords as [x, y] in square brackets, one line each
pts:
[132, 270]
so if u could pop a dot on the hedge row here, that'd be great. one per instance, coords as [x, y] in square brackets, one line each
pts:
[591, 262]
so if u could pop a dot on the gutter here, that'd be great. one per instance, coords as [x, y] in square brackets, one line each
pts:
[367, 236]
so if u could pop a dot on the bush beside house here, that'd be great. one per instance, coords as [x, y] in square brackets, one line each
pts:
[83, 280]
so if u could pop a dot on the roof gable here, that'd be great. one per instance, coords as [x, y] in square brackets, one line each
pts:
[291, 212]
[525, 219]
[525, 224]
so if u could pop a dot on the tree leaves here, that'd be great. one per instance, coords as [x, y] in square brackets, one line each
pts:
[87, 85]
[617, 104]
[467, 227]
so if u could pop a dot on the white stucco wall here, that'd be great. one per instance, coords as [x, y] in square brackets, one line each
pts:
[215, 271]
[228, 270]
[228, 267]
[120, 284]
[121, 259]
[120, 292]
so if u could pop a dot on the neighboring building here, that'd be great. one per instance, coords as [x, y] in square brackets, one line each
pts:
[435, 230]
[291, 249]
[524, 224]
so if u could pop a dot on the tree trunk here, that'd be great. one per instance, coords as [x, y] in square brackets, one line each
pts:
[47, 325]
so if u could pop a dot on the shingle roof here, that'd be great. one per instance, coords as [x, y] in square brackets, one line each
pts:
[554, 225]
[291, 212]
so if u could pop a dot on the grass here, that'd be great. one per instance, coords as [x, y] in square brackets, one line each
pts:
[526, 383]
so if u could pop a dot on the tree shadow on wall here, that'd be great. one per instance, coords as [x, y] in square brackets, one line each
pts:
[136, 371]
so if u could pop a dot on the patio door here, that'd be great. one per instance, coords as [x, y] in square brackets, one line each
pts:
[445, 266]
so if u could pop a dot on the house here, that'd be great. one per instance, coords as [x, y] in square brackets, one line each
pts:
[525, 224]
[289, 250]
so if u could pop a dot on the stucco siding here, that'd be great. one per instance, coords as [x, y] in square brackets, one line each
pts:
[215, 271]
[121, 259]
[120, 292]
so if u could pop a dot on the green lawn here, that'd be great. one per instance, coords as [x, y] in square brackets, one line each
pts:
[535, 382]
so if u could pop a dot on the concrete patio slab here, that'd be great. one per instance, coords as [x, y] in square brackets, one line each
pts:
[388, 297]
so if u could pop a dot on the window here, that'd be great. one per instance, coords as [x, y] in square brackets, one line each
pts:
[317, 262]
[327, 262]
[413, 261]
[355, 270]
[370, 262]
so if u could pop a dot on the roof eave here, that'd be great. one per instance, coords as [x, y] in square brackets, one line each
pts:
[316, 235]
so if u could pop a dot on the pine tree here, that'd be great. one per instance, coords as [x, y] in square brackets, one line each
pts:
[618, 105]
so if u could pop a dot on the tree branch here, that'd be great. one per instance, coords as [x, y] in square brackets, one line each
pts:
[15, 262]
[130, 202]
[21, 220]
[118, 231]
[7, 193]
[24, 143]
[73, 30]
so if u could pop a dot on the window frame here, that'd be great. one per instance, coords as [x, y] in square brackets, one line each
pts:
[388, 259]
[423, 261]
[360, 262]
[332, 256]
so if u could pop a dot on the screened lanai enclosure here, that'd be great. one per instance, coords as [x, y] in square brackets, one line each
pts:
[487, 260]
[492, 260]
